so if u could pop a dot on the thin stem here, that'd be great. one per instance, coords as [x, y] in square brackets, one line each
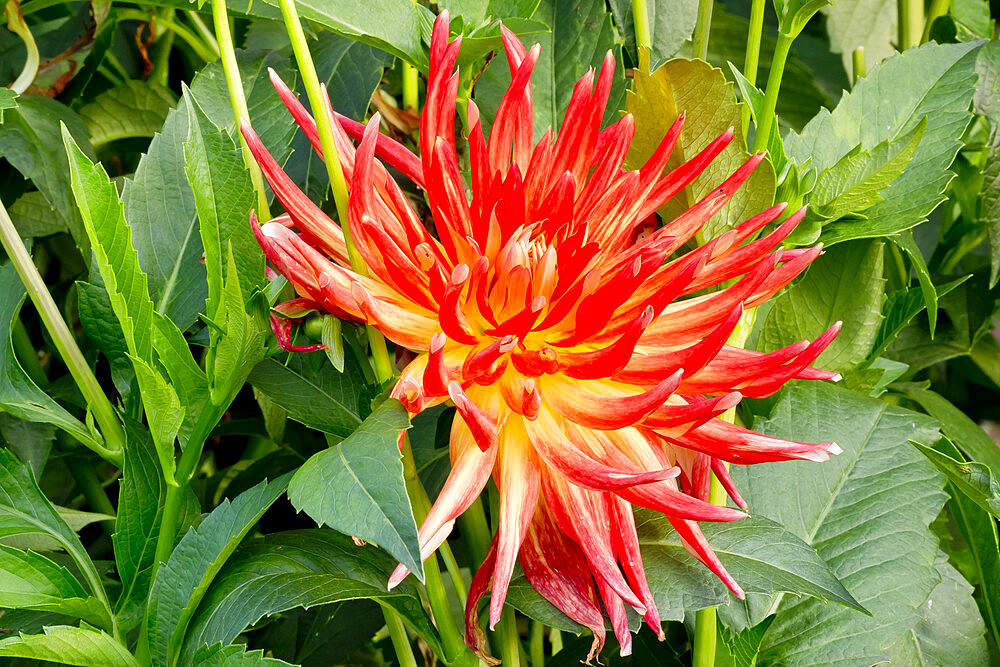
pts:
[204, 32]
[411, 88]
[197, 44]
[938, 9]
[752, 59]
[911, 22]
[702, 29]
[536, 644]
[97, 402]
[510, 641]
[237, 98]
[162, 46]
[85, 476]
[26, 353]
[17, 25]
[640, 23]
[767, 118]
[400, 640]
[858, 63]
[324, 126]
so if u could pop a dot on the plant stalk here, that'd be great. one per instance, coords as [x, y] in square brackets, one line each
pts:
[938, 9]
[640, 23]
[204, 32]
[858, 62]
[324, 126]
[752, 59]
[911, 23]
[104, 413]
[26, 354]
[237, 98]
[702, 29]
[400, 638]
[767, 117]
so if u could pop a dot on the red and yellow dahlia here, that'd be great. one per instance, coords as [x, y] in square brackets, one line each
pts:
[587, 363]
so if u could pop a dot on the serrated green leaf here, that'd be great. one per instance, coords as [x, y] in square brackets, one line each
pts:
[845, 284]
[985, 103]
[137, 525]
[866, 23]
[908, 245]
[224, 197]
[242, 345]
[357, 487]
[67, 645]
[301, 568]
[933, 81]
[670, 25]
[234, 656]
[866, 512]
[185, 375]
[745, 645]
[900, 308]
[24, 509]
[31, 581]
[137, 109]
[697, 89]
[581, 33]
[854, 183]
[164, 413]
[973, 479]
[18, 394]
[950, 630]
[181, 583]
[320, 398]
[8, 100]
[972, 19]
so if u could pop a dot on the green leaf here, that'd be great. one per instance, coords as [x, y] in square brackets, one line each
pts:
[866, 512]
[985, 102]
[224, 197]
[391, 25]
[137, 109]
[357, 487]
[33, 216]
[702, 92]
[138, 523]
[102, 328]
[932, 81]
[234, 656]
[973, 479]
[670, 25]
[744, 646]
[845, 284]
[301, 568]
[524, 598]
[164, 413]
[854, 183]
[333, 341]
[24, 509]
[581, 34]
[972, 19]
[31, 441]
[321, 398]
[908, 245]
[67, 645]
[31, 581]
[950, 631]
[185, 375]
[7, 101]
[867, 23]
[761, 555]
[794, 14]
[181, 583]
[18, 394]
[30, 141]
[900, 308]
[965, 433]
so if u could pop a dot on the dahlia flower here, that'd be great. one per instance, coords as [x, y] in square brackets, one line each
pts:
[587, 361]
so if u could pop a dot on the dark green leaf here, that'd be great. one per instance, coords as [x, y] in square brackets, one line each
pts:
[744, 646]
[31, 441]
[845, 284]
[900, 308]
[234, 656]
[908, 245]
[32, 581]
[102, 327]
[301, 568]
[932, 81]
[866, 512]
[986, 103]
[319, 398]
[181, 583]
[529, 602]
[137, 109]
[67, 645]
[697, 89]
[950, 631]
[972, 19]
[18, 394]
[8, 100]
[973, 479]
[870, 24]
[357, 487]
[33, 216]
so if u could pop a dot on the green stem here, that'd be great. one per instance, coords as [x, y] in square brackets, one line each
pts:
[237, 98]
[97, 402]
[752, 59]
[640, 23]
[26, 354]
[400, 639]
[85, 476]
[197, 44]
[911, 22]
[536, 644]
[204, 32]
[17, 25]
[938, 9]
[702, 29]
[858, 62]
[162, 46]
[411, 88]
[510, 641]
[767, 116]
[324, 127]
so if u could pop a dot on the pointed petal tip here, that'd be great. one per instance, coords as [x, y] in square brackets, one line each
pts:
[835, 449]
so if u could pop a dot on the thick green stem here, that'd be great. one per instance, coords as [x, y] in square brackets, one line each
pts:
[163, 44]
[536, 644]
[324, 127]
[400, 639]
[86, 479]
[938, 9]
[510, 641]
[238, 99]
[752, 59]
[911, 22]
[640, 23]
[858, 62]
[104, 413]
[411, 88]
[767, 116]
[702, 29]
